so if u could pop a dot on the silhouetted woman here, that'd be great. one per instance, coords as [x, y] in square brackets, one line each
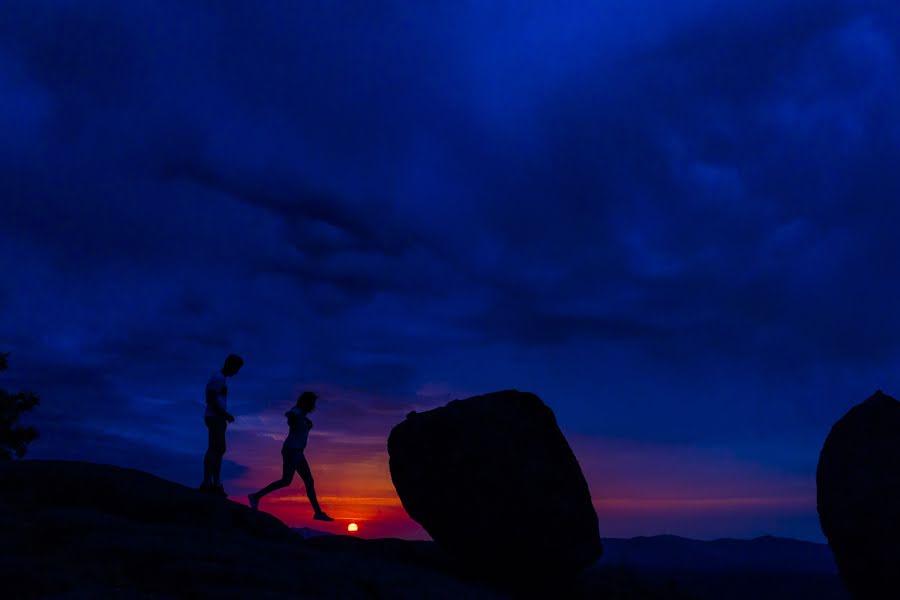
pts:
[293, 458]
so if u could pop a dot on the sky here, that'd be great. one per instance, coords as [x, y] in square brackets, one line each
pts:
[674, 221]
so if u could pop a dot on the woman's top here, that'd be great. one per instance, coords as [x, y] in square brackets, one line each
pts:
[300, 427]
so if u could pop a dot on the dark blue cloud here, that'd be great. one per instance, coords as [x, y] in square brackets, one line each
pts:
[674, 220]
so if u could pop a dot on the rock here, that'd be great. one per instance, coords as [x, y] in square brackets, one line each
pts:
[858, 494]
[494, 482]
[80, 530]
[129, 494]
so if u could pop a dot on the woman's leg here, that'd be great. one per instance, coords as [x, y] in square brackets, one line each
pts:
[287, 475]
[306, 476]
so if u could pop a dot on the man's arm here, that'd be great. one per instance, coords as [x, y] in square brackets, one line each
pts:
[212, 399]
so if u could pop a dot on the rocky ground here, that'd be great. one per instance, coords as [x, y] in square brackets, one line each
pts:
[79, 530]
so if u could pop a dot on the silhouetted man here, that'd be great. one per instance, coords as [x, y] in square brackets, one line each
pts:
[217, 418]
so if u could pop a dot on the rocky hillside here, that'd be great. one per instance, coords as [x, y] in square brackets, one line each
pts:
[79, 530]
[97, 531]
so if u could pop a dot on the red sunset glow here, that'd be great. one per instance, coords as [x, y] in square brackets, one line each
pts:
[638, 489]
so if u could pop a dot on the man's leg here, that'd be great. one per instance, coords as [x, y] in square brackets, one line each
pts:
[207, 468]
[219, 446]
[215, 448]
[209, 457]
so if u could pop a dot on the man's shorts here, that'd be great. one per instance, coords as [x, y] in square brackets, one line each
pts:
[216, 427]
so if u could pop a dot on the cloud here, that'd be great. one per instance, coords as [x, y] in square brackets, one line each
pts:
[659, 204]
[63, 440]
[688, 182]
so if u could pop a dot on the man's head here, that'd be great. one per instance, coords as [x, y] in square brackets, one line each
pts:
[307, 402]
[233, 364]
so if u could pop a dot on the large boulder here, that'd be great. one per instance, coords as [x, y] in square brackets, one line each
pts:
[858, 489]
[494, 482]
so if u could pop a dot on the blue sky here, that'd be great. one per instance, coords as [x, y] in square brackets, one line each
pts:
[674, 221]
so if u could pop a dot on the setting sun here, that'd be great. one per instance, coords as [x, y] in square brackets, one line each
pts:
[352, 527]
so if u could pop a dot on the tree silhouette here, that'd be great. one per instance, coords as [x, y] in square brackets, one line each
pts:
[14, 439]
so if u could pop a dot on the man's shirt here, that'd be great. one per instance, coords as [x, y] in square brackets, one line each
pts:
[216, 391]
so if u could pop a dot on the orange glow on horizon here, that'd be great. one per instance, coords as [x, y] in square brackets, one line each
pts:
[637, 488]
[353, 481]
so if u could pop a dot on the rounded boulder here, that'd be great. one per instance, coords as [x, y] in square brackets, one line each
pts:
[858, 497]
[494, 482]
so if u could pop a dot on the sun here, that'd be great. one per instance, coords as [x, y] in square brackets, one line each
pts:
[352, 527]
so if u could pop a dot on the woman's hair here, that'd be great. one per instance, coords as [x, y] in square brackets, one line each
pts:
[307, 401]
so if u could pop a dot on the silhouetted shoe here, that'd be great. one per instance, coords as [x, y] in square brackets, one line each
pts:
[219, 490]
[205, 486]
[254, 501]
[322, 517]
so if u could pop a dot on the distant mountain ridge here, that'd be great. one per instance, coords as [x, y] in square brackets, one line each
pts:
[308, 533]
[763, 554]
[766, 554]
